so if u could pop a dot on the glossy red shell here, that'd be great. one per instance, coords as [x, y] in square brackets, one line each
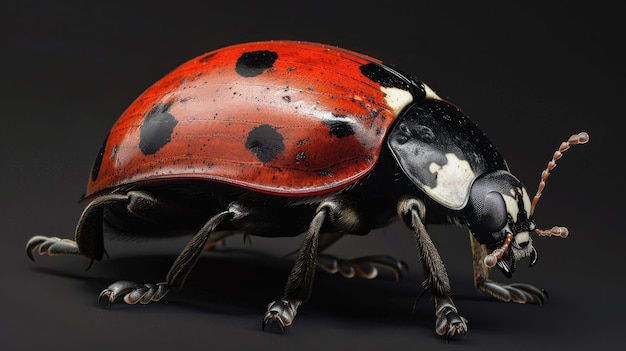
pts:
[293, 119]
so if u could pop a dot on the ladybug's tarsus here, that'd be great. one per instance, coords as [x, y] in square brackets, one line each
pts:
[449, 323]
[52, 246]
[281, 313]
[133, 292]
[518, 293]
[362, 267]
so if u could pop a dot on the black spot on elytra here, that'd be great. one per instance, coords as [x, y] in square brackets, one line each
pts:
[95, 169]
[265, 142]
[253, 63]
[339, 127]
[384, 76]
[156, 130]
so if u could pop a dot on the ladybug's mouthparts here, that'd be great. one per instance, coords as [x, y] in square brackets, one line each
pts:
[500, 255]
[503, 255]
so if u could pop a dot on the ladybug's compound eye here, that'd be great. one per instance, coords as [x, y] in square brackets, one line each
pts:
[493, 214]
[492, 210]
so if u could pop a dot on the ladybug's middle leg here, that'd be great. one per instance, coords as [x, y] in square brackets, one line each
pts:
[340, 214]
[449, 322]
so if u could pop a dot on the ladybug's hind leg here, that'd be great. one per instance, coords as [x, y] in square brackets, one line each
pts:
[449, 322]
[184, 263]
[89, 238]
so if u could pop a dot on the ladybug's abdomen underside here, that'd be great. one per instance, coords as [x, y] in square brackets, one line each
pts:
[276, 117]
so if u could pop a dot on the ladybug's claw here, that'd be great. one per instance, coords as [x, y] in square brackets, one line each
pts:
[134, 292]
[273, 317]
[362, 267]
[449, 322]
[281, 312]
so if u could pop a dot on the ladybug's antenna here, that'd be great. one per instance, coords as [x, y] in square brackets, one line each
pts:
[492, 258]
[575, 139]
[554, 231]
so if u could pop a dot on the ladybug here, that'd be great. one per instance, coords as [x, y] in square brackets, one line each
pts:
[283, 138]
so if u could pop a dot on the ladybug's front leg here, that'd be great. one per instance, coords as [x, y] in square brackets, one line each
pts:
[517, 292]
[449, 322]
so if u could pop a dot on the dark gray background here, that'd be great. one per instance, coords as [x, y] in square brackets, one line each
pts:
[528, 74]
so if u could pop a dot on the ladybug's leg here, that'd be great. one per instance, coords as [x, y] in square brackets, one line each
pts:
[449, 322]
[361, 267]
[186, 260]
[339, 213]
[517, 292]
[300, 280]
[89, 236]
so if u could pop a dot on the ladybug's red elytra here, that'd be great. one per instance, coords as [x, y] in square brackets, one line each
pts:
[285, 119]
[282, 138]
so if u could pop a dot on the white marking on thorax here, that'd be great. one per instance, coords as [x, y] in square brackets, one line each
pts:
[453, 181]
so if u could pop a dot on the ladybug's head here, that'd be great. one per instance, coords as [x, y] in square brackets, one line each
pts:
[500, 214]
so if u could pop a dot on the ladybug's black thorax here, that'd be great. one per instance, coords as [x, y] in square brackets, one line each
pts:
[446, 129]
[442, 151]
